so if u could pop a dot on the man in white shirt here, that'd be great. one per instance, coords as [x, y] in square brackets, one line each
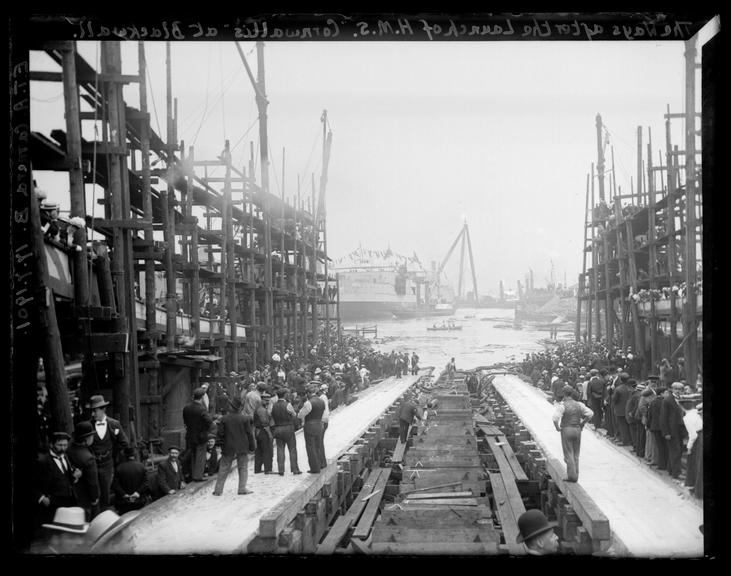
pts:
[326, 414]
[569, 419]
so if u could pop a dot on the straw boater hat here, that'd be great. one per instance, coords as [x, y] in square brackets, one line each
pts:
[48, 205]
[72, 519]
[106, 525]
[97, 402]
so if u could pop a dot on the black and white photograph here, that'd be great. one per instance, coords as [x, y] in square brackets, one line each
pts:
[339, 284]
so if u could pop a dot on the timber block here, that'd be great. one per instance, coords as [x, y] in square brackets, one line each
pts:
[290, 540]
[569, 523]
[261, 545]
[320, 520]
[311, 506]
[309, 542]
[583, 541]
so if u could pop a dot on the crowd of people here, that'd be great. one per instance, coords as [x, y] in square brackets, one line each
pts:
[98, 470]
[659, 418]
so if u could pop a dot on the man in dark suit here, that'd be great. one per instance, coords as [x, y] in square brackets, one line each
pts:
[619, 404]
[311, 415]
[407, 412]
[86, 487]
[673, 429]
[236, 436]
[107, 447]
[197, 422]
[131, 488]
[170, 473]
[54, 479]
[660, 456]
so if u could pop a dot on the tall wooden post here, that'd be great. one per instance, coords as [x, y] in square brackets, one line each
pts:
[229, 268]
[640, 175]
[53, 364]
[670, 226]
[581, 295]
[691, 239]
[595, 262]
[262, 103]
[600, 157]
[315, 242]
[171, 302]
[619, 219]
[76, 175]
[652, 250]
[337, 295]
[154, 413]
[192, 226]
[121, 373]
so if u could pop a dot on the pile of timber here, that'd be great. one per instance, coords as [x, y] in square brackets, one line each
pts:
[582, 527]
[297, 525]
[441, 507]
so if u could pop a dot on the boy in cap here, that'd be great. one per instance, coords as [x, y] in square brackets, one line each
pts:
[109, 442]
[87, 485]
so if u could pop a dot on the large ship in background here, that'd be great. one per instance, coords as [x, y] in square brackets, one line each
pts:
[380, 284]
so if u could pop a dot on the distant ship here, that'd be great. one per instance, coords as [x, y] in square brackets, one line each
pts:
[381, 284]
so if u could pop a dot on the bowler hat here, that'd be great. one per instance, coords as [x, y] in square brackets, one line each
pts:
[235, 404]
[533, 523]
[83, 429]
[72, 519]
[97, 402]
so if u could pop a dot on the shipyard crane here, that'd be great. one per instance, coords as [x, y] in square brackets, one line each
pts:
[464, 236]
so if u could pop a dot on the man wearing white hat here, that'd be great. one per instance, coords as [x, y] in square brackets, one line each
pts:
[65, 534]
[108, 446]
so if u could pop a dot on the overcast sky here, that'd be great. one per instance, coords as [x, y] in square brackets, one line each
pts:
[424, 134]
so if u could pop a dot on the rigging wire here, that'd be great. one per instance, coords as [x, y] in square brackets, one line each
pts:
[154, 106]
[223, 99]
[205, 105]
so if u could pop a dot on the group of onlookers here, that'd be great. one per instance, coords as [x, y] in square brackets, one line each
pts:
[658, 418]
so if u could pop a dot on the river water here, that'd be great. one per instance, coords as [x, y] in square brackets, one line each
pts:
[480, 342]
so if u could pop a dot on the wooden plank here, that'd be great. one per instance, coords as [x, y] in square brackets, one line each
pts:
[436, 517]
[508, 517]
[444, 461]
[490, 430]
[466, 535]
[343, 523]
[363, 527]
[431, 495]
[432, 548]
[592, 518]
[398, 453]
[442, 502]
[335, 535]
[432, 487]
[503, 453]
[277, 518]
[360, 546]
